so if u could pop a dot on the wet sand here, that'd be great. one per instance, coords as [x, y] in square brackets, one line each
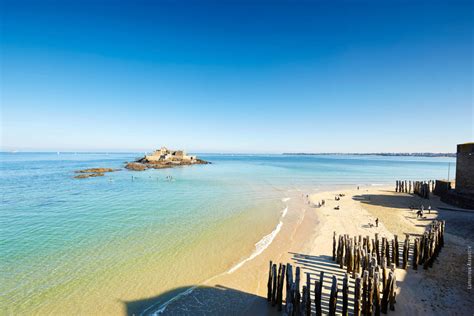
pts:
[305, 239]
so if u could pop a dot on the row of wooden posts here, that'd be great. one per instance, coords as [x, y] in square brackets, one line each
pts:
[420, 188]
[367, 260]
[374, 292]
[358, 253]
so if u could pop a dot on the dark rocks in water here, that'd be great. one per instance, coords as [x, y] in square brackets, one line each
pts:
[97, 170]
[136, 166]
[89, 175]
[93, 172]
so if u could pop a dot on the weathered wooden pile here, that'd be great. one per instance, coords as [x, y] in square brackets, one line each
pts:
[420, 188]
[370, 261]
[296, 302]
[427, 248]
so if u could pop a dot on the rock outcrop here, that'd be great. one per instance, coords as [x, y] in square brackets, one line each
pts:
[93, 172]
[89, 175]
[164, 158]
[96, 170]
[136, 166]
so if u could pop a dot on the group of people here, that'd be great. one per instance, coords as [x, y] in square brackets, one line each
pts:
[376, 223]
[419, 213]
[168, 178]
[319, 204]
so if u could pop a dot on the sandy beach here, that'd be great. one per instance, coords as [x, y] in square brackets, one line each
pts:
[305, 239]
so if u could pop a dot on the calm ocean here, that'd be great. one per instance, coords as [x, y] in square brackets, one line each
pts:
[84, 245]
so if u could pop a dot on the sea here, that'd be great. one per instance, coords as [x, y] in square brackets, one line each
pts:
[97, 245]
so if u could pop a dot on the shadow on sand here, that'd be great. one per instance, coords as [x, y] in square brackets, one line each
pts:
[313, 266]
[202, 300]
[402, 201]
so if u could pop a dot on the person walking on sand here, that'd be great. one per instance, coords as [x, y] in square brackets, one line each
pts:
[377, 222]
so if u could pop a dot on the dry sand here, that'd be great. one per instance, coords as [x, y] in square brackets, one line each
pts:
[305, 239]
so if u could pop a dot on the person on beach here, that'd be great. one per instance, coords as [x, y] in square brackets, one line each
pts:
[377, 222]
[429, 209]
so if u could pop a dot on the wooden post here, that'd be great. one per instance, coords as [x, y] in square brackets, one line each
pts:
[377, 250]
[370, 296]
[396, 252]
[376, 294]
[386, 293]
[274, 284]
[387, 249]
[318, 289]
[296, 300]
[406, 250]
[383, 248]
[333, 297]
[297, 279]
[303, 300]
[350, 261]
[296, 292]
[345, 294]
[357, 294]
[334, 246]
[384, 272]
[308, 295]
[421, 249]
[415, 254]
[338, 251]
[280, 287]
[289, 283]
[269, 283]
[365, 292]
[356, 260]
[426, 253]
[392, 292]
[341, 252]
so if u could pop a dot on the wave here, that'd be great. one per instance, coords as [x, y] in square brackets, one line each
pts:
[259, 247]
[263, 243]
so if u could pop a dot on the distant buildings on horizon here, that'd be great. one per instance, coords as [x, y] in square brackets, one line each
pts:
[380, 154]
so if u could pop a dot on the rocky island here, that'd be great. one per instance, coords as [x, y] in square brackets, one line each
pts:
[164, 158]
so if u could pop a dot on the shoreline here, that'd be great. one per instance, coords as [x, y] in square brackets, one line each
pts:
[307, 231]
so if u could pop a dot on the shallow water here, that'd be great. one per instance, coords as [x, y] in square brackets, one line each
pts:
[94, 245]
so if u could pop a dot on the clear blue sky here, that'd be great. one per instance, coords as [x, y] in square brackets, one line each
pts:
[273, 76]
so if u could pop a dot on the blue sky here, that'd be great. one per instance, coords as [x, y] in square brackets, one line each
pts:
[263, 77]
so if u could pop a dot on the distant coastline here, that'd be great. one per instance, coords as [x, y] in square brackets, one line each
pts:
[377, 154]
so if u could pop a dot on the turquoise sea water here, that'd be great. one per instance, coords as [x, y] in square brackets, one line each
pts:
[100, 241]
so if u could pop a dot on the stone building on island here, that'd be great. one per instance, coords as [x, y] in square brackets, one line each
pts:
[165, 155]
